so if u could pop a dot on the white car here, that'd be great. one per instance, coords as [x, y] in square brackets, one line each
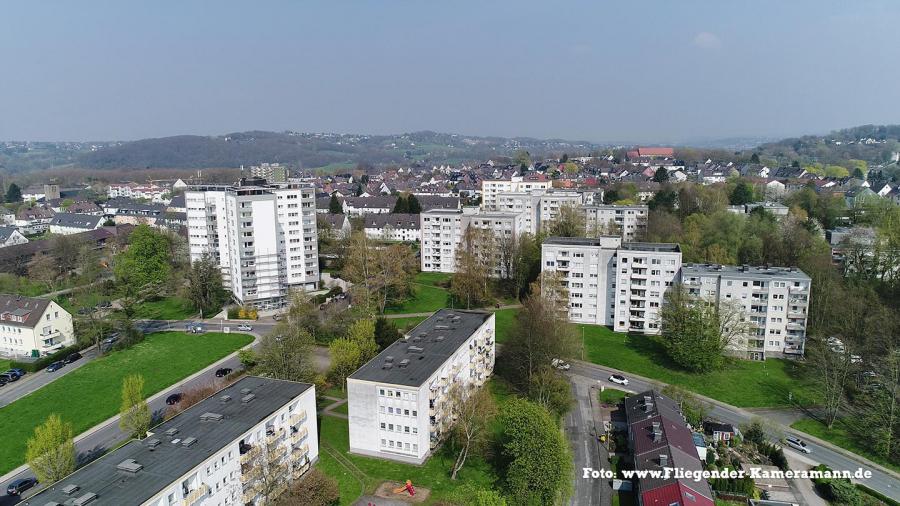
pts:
[560, 364]
[797, 444]
[618, 379]
[245, 327]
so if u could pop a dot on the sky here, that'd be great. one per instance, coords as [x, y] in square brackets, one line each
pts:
[596, 70]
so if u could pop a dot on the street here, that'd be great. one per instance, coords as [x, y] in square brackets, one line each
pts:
[35, 380]
[586, 450]
[881, 481]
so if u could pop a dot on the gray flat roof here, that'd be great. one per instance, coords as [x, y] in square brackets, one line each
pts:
[744, 271]
[167, 462]
[454, 325]
[669, 247]
[576, 241]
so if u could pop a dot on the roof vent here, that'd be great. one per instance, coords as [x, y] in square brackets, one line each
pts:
[129, 466]
[247, 398]
[86, 498]
[663, 460]
[440, 318]
[389, 358]
[438, 339]
[211, 417]
[70, 489]
[245, 391]
[188, 441]
[415, 349]
[153, 443]
[172, 431]
[225, 398]
[404, 362]
[387, 365]
[176, 441]
[655, 426]
[417, 339]
[423, 334]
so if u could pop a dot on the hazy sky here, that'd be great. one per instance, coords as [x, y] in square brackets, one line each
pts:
[597, 70]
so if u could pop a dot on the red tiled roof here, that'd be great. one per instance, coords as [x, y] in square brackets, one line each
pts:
[656, 152]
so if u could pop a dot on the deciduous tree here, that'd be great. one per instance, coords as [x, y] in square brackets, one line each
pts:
[134, 415]
[473, 409]
[51, 451]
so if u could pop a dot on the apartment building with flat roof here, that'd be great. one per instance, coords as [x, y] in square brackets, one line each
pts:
[212, 453]
[540, 206]
[490, 188]
[398, 403]
[442, 232]
[614, 283]
[262, 235]
[629, 221]
[775, 301]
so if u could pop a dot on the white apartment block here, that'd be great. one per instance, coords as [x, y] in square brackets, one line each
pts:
[150, 191]
[271, 172]
[629, 221]
[539, 206]
[491, 187]
[31, 327]
[263, 237]
[612, 283]
[442, 231]
[211, 454]
[398, 403]
[775, 300]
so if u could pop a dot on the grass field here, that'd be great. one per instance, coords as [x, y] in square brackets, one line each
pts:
[612, 396]
[92, 393]
[742, 383]
[73, 303]
[838, 435]
[342, 409]
[170, 308]
[4, 364]
[504, 320]
[427, 296]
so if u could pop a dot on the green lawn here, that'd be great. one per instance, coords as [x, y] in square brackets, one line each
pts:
[838, 435]
[742, 383]
[342, 409]
[335, 392]
[503, 323]
[91, 394]
[4, 364]
[612, 396]
[72, 303]
[170, 308]
[427, 296]
[434, 474]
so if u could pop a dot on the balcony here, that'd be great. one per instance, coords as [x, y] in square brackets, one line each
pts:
[299, 452]
[250, 475]
[300, 435]
[195, 495]
[298, 417]
[253, 453]
[274, 435]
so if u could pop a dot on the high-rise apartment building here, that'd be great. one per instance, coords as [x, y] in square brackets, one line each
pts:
[490, 188]
[263, 237]
[612, 283]
[442, 231]
[539, 205]
[628, 221]
[271, 172]
[774, 301]
[399, 402]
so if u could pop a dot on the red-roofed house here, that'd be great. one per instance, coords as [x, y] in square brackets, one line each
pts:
[656, 152]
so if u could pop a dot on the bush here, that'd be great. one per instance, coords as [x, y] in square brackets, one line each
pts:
[242, 313]
[43, 362]
[314, 489]
[837, 490]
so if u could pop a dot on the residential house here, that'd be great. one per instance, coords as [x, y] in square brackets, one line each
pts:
[392, 227]
[69, 223]
[10, 236]
[31, 327]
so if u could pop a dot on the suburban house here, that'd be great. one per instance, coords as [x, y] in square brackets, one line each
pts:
[659, 438]
[392, 227]
[719, 431]
[34, 220]
[359, 206]
[10, 236]
[31, 327]
[69, 223]
[338, 225]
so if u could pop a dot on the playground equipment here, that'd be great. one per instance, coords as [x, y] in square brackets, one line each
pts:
[406, 488]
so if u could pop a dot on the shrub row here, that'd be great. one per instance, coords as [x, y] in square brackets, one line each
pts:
[43, 362]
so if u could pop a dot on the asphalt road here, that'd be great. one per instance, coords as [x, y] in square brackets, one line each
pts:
[880, 481]
[585, 449]
[96, 441]
[35, 380]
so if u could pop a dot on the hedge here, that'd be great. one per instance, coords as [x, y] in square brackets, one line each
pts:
[43, 362]
[877, 495]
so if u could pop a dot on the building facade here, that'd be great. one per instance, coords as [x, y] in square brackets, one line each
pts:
[442, 232]
[31, 327]
[271, 172]
[263, 237]
[608, 282]
[398, 403]
[628, 221]
[239, 446]
[392, 227]
[774, 300]
[539, 206]
[490, 188]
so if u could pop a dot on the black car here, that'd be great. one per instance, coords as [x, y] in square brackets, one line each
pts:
[3, 382]
[55, 366]
[221, 373]
[72, 357]
[9, 377]
[173, 399]
[22, 484]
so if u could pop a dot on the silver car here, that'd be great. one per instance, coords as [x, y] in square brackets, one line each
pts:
[797, 444]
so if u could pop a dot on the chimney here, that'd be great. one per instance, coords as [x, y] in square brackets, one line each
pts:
[663, 460]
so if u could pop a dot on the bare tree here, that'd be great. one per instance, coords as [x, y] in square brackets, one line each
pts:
[833, 367]
[473, 409]
[469, 284]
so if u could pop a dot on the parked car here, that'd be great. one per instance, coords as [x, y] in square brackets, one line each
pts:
[16, 487]
[55, 366]
[72, 357]
[20, 372]
[244, 327]
[221, 373]
[618, 379]
[196, 329]
[9, 376]
[560, 364]
[797, 444]
[173, 399]
[2, 382]
[276, 317]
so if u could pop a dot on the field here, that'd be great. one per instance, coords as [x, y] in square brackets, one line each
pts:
[91, 394]
[503, 322]
[427, 296]
[838, 436]
[4, 364]
[742, 383]
[612, 396]
[170, 308]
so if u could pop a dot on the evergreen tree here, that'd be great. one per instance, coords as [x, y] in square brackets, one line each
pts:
[661, 175]
[13, 193]
[413, 206]
[402, 205]
[334, 205]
